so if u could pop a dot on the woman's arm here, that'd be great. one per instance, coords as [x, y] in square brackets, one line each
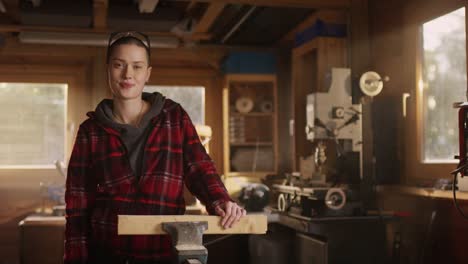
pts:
[202, 178]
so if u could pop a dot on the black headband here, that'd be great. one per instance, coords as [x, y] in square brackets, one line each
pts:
[115, 36]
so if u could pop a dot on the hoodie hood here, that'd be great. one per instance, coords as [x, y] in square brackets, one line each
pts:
[104, 113]
[133, 137]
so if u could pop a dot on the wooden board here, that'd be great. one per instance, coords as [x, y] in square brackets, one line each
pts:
[152, 224]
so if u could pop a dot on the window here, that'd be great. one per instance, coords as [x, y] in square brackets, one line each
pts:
[443, 83]
[32, 124]
[192, 99]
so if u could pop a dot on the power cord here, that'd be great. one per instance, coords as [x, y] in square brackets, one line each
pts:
[454, 187]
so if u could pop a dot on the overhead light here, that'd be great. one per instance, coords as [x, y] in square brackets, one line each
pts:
[2, 7]
[88, 39]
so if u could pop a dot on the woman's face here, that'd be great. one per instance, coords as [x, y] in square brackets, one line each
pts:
[128, 71]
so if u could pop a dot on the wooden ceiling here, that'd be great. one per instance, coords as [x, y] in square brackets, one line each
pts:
[262, 23]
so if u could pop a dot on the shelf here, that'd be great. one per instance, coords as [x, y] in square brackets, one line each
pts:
[252, 144]
[257, 174]
[250, 125]
[253, 114]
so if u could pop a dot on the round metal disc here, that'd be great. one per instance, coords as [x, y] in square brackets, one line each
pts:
[335, 198]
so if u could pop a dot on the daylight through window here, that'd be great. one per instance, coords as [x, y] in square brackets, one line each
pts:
[32, 124]
[192, 99]
[443, 83]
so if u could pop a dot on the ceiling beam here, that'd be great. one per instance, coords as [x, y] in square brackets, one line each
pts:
[316, 4]
[147, 6]
[12, 10]
[209, 17]
[190, 7]
[238, 24]
[100, 13]
[20, 28]
[2, 7]
[328, 16]
[36, 3]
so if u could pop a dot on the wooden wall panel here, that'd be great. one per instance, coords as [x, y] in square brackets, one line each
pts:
[434, 231]
[284, 90]
[395, 38]
[20, 188]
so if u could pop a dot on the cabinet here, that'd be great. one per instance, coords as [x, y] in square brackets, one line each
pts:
[41, 239]
[250, 125]
[326, 240]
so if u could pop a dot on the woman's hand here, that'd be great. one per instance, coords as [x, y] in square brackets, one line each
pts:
[230, 213]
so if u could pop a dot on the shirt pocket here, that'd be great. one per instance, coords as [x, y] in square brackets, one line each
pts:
[120, 186]
[113, 175]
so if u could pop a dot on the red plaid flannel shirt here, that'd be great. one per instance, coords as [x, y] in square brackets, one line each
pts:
[101, 185]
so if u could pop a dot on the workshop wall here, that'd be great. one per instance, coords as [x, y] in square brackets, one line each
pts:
[431, 231]
[394, 28]
[20, 188]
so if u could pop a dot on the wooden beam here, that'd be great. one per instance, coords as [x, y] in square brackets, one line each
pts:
[209, 17]
[209, 56]
[2, 7]
[190, 7]
[12, 47]
[329, 16]
[152, 224]
[36, 3]
[316, 4]
[21, 28]
[200, 36]
[100, 13]
[360, 56]
[147, 6]
[12, 10]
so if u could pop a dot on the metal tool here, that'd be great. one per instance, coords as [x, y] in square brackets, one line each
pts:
[187, 241]
[335, 198]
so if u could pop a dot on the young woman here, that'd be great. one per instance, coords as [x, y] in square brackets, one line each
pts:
[132, 156]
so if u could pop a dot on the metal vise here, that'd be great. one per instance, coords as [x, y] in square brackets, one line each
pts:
[187, 241]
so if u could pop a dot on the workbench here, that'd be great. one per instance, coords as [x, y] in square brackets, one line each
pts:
[360, 239]
[288, 240]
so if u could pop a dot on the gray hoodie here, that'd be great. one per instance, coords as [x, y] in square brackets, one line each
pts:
[133, 137]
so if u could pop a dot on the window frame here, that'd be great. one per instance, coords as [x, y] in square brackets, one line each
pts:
[187, 87]
[415, 169]
[65, 157]
[78, 93]
[421, 95]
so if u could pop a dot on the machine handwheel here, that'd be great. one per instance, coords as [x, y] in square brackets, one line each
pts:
[282, 204]
[335, 199]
